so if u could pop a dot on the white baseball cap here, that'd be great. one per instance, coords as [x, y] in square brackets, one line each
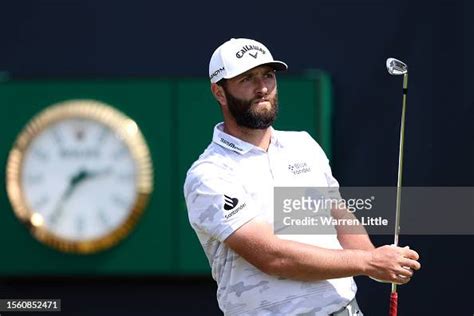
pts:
[238, 55]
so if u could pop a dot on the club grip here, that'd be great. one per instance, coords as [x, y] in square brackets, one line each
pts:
[393, 304]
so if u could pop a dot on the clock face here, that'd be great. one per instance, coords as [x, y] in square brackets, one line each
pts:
[79, 176]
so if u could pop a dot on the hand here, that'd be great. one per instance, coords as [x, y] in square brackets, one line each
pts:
[393, 264]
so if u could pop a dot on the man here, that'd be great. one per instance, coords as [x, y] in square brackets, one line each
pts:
[229, 196]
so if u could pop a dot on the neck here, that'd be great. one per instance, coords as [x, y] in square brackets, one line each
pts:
[256, 137]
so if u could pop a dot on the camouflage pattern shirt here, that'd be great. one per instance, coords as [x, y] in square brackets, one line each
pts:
[232, 183]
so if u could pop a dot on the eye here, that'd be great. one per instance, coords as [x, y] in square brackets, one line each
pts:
[245, 79]
[270, 74]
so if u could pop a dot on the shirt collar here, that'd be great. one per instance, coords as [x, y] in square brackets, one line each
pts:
[233, 143]
[275, 140]
[230, 142]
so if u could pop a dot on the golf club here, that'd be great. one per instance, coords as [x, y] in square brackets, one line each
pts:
[396, 67]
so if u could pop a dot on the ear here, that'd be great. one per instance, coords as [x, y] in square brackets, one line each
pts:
[218, 93]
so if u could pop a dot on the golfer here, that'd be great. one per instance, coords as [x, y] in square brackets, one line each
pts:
[229, 196]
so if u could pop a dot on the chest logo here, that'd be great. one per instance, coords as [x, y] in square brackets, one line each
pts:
[299, 167]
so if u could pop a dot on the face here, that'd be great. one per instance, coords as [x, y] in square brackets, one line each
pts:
[252, 98]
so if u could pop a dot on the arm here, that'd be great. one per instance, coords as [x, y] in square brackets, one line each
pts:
[353, 237]
[355, 241]
[257, 244]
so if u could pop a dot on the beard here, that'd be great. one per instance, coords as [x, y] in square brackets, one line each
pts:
[247, 113]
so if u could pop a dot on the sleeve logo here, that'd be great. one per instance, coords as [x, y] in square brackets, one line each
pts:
[230, 203]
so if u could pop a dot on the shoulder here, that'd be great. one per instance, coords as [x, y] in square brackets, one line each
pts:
[302, 141]
[288, 137]
[214, 167]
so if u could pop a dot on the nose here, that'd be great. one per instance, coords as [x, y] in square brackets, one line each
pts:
[261, 86]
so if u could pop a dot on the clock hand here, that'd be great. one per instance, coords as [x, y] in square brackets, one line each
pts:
[73, 182]
[103, 172]
[80, 177]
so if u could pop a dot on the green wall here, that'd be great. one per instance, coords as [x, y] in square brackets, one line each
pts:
[177, 117]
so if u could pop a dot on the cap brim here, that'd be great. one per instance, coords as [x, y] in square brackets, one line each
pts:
[276, 64]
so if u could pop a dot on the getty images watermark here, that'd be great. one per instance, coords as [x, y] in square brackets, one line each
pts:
[324, 205]
[356, 210]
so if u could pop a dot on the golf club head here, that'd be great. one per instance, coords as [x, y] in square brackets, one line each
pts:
[396, 67]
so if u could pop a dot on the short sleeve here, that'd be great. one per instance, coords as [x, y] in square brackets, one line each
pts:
[217, 206]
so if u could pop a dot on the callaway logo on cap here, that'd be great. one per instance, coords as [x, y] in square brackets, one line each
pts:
[238, 55]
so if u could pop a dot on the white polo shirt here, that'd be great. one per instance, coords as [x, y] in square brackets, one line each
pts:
[230, 184]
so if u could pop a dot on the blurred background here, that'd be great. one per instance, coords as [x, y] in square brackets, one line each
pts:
[149, 60]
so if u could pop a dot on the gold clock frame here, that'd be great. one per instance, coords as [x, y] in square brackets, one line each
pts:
[120, 124]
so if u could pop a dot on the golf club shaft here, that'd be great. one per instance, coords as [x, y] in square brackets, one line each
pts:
[400, 168]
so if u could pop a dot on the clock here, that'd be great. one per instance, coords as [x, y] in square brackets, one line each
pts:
[79, 176]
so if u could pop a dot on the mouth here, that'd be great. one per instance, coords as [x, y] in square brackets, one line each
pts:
[262, 105]
[258, 101]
